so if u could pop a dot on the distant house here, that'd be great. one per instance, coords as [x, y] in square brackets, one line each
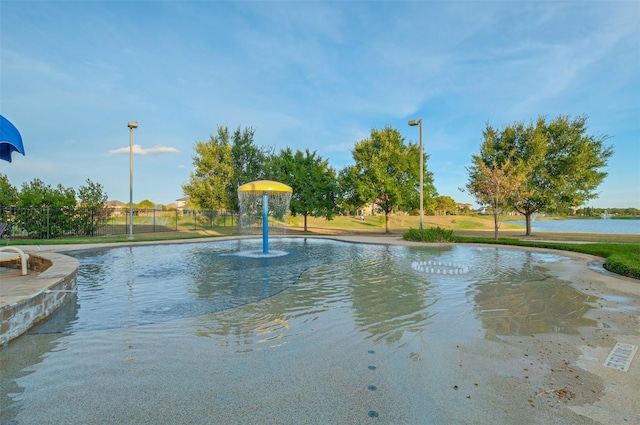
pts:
[464, 207]
[181, 204]
[367, 210]
[116, 207]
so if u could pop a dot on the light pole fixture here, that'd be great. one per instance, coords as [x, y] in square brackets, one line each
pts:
[131, 125]
[414, 123]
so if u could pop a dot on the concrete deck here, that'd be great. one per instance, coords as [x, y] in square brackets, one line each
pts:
[26, 300]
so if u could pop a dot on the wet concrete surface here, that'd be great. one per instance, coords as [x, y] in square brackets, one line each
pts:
[212, 369]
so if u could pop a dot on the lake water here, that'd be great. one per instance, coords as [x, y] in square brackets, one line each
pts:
[628, 227]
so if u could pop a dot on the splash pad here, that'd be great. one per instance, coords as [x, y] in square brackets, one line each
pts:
[438, 267]
[352, 306]
[274, 198]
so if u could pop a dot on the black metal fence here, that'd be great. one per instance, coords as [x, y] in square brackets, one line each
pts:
[52, 223]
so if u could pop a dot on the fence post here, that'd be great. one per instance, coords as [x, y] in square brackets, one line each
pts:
[48, 223]
[93, 217]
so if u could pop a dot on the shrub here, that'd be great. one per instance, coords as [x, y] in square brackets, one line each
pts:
[431, 234]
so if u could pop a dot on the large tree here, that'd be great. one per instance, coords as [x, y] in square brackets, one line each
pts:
[349, 197]
[248, 165]
[563, 163]
[221, 165]
[213, 172]
[445, 204]
[313, 182]
[387, 172]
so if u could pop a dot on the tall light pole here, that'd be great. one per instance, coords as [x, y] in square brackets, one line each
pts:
[413, 123]
[131, 125]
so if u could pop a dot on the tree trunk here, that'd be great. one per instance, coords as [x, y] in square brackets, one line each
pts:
[305, 222]
[527, 218]
[496, 223]
[386, 222]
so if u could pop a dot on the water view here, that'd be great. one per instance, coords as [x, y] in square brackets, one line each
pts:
[610, 226]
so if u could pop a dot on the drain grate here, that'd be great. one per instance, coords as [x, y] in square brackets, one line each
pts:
[621, 356]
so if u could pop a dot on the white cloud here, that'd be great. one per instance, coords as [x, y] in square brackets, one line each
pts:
[139, 150]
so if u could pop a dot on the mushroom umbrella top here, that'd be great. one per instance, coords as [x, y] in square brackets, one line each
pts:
[10, 139]
[261, 186]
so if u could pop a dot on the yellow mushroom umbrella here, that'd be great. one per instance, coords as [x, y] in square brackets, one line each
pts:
[264, 188]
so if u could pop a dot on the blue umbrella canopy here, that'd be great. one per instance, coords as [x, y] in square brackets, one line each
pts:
[10, 139]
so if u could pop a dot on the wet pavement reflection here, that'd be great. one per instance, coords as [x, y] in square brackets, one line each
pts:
[203, 315]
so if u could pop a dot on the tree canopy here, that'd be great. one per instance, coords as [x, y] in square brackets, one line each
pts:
[387, 172]
[213, 172]
[145, 204]
[313, 182]
[92, 195]
[494, 185]
[446, 204]
[37, 194]
[248, 164]
[221, 165]
[560, 164]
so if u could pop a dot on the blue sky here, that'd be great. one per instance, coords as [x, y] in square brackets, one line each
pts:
[307, 75]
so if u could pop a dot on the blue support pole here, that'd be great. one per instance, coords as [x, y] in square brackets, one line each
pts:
[265, 223]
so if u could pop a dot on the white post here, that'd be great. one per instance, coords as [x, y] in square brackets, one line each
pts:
[412, 123]
[131, 126]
